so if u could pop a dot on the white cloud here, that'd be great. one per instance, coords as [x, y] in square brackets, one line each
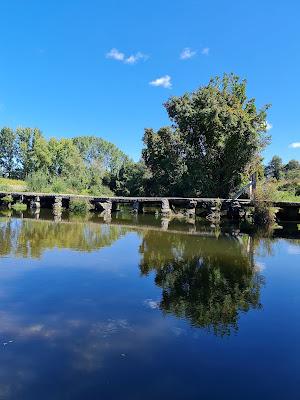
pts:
[205, 51]
[134, 58]
[268, 126]
[187, 53]
[152, 304]
[295, 145]
[260, 266]
[117, 55]
[164, 81]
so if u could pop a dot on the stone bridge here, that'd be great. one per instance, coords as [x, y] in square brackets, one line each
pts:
[211, 208]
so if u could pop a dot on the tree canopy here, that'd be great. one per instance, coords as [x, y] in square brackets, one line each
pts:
[84, 163]
[216, 134]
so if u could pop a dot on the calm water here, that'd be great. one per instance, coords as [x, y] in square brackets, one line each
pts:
[130, 310]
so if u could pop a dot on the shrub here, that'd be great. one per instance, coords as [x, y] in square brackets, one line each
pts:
[19, 207]
[59, 185]
[100, 191]
[264, 214]
[38, 181]
[79, 206]
[8, 199]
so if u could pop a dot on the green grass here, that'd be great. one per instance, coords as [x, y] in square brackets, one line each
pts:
[16, 185]
[286, 196]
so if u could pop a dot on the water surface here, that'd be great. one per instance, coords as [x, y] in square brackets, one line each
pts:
[140, 308]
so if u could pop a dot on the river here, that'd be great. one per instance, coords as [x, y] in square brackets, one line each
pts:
[144, 308]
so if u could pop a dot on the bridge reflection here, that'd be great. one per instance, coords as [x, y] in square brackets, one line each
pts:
[207, 275]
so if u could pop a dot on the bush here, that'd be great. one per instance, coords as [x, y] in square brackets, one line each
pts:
[8, 199]
[100, 191]
[19, 207]
[59, 185]
[264, 214]
[79, 206]
[38, 181]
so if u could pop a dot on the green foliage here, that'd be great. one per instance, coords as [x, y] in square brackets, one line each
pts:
[131, 179]
[8, 199]
[80, 165]
[7, 151]
[275, 168]
[38, 181]
[79, 206]
[216, 134]
[99, 153]
[32, 153]
[19, 207]
[163, 154]
[287, 179]
[206, 284]
[264, 214]
[292, 165]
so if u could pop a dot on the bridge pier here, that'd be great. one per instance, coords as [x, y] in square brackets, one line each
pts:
[135, 207]
[191, 209]
[213, 211]
[165, 207]
[236, 211]
[105, 208]
[35, 203]
[165, 223]
[57, 208]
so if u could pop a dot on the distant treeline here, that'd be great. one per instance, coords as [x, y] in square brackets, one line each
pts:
[211, 148]
[82, 164]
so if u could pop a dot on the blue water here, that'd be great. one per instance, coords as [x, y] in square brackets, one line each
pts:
[95, 311]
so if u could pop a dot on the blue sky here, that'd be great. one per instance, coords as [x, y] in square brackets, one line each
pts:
[59, 73]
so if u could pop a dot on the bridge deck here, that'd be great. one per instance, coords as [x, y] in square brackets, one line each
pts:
[130, 199]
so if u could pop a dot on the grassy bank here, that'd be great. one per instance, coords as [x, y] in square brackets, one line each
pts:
[16, 185]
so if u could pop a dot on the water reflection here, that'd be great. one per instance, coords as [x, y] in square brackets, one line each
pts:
[207, 281]
[29, 238]
[93, 321]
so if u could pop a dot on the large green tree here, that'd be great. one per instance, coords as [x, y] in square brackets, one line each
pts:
[275, 168]
[216, 134]
[32, 152]
[164, 156]
[7, 151]
[130, 180]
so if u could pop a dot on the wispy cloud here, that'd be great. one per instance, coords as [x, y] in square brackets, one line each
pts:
[134, 58]
[268, 126]
[117, 55]
[152, 304]
[187, 53]
[295, 145]
[205, 51]
[164, 81]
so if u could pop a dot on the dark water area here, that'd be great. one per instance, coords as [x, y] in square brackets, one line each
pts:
[144, 308]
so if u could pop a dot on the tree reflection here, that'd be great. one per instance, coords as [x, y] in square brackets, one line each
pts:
[207, 281]
[30, 238]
